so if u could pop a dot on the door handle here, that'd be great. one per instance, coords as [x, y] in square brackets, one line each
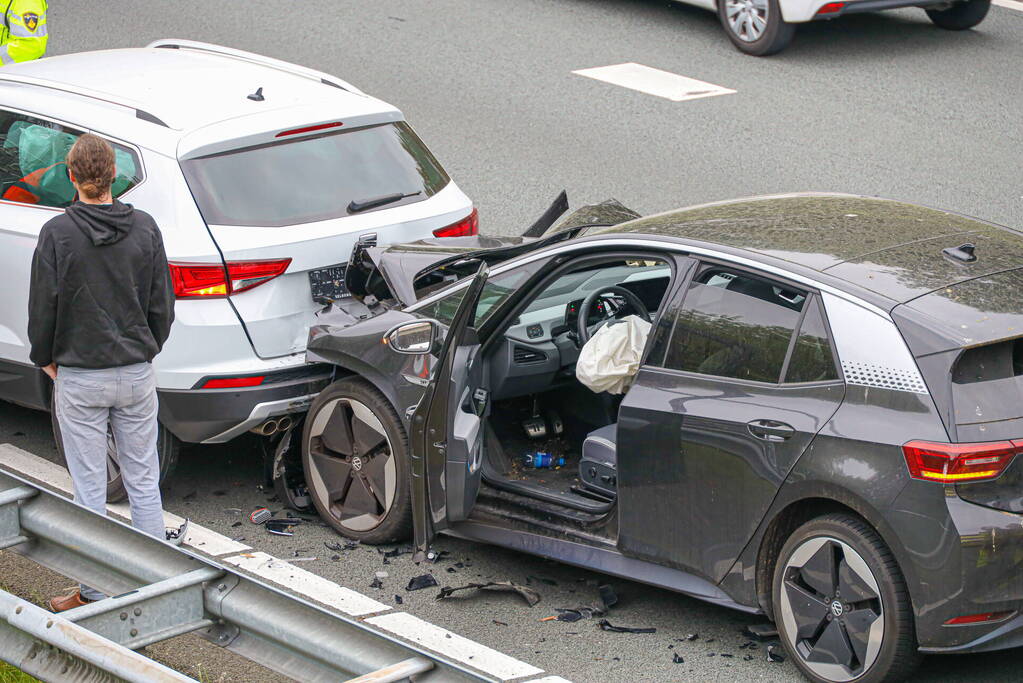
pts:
[770, 430]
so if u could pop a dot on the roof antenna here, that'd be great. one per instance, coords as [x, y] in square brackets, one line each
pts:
[964, 253]
[257, 96]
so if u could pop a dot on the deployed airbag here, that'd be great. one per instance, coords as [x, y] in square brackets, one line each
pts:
[610, 359]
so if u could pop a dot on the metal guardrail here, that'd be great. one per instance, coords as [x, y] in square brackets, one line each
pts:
[161, 591]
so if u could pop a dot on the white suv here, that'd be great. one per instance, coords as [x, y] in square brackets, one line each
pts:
[262, 176]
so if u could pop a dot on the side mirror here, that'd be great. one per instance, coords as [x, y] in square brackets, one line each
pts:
[413, 338]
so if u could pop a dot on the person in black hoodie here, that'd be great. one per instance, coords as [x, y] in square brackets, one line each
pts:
[101, 305]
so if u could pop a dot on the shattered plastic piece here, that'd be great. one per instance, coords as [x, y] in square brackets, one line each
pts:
[569, 615]
[677, 659]
[302, 559]
[450, 570]
[335, 558]
[381, 575]
[398, 599]
[176, 536]
[420, 582]
[394, 552]
[725, 654]
[606, 625]
[259, 515]
[500, 623]
[528, 594]
[346, 544]
[775, 653]
[236, 524]
[748, 658]
[377, 583]
[281, 527]
[607, 596]
[692, 636]
[238, 539]
[761, 632]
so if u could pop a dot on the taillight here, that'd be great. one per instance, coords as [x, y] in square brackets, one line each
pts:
[467, 227]
[214, 280]
[957, 463]
[233, 382]
[831, 8]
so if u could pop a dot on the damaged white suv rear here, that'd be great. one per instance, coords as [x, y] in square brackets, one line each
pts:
[262, 176]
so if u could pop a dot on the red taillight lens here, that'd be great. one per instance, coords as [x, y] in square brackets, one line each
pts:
[978, 618]
[831, 8]
[212, 280]
[233, 382]
[467, 227]
[956, 463]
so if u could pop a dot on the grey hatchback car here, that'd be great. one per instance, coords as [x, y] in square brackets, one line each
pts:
[824, 426]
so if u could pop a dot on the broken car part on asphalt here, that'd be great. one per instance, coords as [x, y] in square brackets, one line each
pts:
[528, 594]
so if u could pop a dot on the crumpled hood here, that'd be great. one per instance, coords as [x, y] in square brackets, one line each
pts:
[103, 223]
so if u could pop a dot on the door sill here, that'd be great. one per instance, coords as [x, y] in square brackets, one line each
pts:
[569, 500]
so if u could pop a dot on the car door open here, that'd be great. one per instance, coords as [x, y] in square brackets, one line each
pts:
[447, 427]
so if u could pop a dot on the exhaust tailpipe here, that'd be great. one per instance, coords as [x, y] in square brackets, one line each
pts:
[267, 428]
[284, 423]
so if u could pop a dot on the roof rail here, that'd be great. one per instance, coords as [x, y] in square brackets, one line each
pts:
[280, 65]
[83, 92]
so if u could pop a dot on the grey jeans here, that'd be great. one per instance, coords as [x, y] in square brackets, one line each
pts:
[87, 401]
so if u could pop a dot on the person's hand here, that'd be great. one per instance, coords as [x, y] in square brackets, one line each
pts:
[51, 371]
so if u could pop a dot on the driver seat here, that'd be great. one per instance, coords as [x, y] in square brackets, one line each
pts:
[598, 467]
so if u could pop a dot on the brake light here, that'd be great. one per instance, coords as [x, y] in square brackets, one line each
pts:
[467, 227]
[831, 8]
[308, 129]
[193, 280]
[956, 463]
[233, 382]
[985, 617]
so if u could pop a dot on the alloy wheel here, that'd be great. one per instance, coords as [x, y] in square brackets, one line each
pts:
[831, 609]
[352, 468]
[747, 18]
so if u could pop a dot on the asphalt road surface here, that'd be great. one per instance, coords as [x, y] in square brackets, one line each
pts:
[881, 104]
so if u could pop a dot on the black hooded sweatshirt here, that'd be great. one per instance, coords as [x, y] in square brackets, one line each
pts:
[101, 294]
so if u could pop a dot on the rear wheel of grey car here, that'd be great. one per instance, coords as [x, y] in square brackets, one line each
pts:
[755, 26]
[841, 604]
[167, 449]
[960, 16]
[355, 456]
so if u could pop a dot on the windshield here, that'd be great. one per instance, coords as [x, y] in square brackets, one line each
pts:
[315, 178]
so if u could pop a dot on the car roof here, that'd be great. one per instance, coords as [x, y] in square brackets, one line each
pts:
[184, 89]
[891, 249]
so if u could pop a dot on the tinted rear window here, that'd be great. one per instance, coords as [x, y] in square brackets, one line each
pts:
[314, 178]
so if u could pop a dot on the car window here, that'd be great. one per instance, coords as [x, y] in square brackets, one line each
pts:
[812, 359]
[314, 178]
[496, 290]
[32, 167]
[732, 324]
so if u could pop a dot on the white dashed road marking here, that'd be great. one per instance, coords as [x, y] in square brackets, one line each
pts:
[652, 81]
[324, 591]
[1009, 4]
[454, 646]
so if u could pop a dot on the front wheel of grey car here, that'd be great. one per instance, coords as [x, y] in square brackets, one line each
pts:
[756, 27]
[961, 15]
[355, 456]
[841, 604]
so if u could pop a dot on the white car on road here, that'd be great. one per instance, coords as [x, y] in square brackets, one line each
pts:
[764, 27]
[262, 175]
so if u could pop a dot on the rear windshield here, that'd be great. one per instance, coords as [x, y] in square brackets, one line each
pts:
[314, 178]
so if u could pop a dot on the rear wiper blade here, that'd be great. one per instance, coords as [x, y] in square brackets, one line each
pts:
[373, 202]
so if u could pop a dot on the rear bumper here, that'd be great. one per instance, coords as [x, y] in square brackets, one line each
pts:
[798, 11]
[219, 415]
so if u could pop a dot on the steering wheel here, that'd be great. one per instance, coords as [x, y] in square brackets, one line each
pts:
[631, 300]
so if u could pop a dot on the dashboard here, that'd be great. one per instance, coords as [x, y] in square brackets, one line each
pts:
[539, 348]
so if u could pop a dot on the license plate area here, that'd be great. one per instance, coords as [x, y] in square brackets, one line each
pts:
[328, 284]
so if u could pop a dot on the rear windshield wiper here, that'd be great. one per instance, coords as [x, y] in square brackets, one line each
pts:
[373, 202]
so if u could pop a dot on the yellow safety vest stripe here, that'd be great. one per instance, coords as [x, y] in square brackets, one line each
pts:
[24, 35]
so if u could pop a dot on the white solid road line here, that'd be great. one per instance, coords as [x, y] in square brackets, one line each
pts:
[454, 646]
[282, 573]
[652, 81]
[305, 582]
[1009, 4]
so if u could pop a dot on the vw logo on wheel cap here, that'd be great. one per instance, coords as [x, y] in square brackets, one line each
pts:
[357, 463]
[836, 608]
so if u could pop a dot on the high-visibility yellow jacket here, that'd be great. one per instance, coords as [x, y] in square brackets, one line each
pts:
[23, 33]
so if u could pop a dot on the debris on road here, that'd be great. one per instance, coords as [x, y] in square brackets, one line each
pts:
[302, 559]
[176, 536]
[775, 654]
[420, 582]
[607, 596]
[499, 623]
[690, 637]
[395, 552]
[677, 659]
[398, 599]
[260, 515]
[346, 544]
[761, 632]
[528, 594]
[282, 527]
[606, 625]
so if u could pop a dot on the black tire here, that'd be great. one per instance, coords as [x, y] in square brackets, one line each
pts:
[854, 548]
[776, 35]
[960, 16]
[167, 447]
[348, 476]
